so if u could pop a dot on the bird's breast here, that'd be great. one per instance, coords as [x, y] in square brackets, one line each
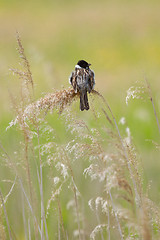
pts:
[82, 81]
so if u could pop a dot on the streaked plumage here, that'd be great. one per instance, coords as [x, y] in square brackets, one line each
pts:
[82, 80]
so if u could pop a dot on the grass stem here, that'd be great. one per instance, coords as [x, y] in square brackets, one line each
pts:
[6, 216]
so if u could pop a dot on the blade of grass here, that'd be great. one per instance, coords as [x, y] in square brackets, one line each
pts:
[153, 105]
[43, 217]
[115, 213]
[30, 207]
[6, 216]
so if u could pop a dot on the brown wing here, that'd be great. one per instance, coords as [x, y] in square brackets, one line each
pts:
[73, 80]
[91, 80]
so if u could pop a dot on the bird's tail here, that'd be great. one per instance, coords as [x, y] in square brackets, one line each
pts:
[84, 100]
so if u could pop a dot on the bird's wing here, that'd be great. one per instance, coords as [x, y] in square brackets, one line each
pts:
[73, 80]
[70, 78]
[91, 80]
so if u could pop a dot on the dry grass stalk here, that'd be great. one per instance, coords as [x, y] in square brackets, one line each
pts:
[33, 112]
[40, 178]
[12, 165]
[146, 232]
[112, 164]
[61, 219]
[153, 105]
[6, 216]
[27, 95]
[125, 152]
[2, 227]
[27, 81]
[26, 75]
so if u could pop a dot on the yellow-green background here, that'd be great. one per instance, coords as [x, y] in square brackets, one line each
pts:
[121, 39]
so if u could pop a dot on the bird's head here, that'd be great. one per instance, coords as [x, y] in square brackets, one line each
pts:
[83, 64]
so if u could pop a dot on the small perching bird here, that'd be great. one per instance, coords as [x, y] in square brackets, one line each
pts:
[82, 80]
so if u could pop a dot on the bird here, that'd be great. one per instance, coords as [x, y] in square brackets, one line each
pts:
[83, 81]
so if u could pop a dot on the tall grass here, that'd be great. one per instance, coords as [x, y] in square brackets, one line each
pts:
[86, 186]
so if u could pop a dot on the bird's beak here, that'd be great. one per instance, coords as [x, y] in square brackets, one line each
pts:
[89, 64]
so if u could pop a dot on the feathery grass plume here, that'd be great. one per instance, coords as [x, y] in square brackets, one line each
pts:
[57, 100]
[145, 225]
[101, 157]
[153, 217]
[139, 91]
[24, 74]
[98, 203]
[97, 229]
[122, 179]
[35, 112]
[143, 91]
[27, 97]
[104, 167]
[65, 165]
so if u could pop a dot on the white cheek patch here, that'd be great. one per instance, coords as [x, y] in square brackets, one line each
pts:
[77, 66]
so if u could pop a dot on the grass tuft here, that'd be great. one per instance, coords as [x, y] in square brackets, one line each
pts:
[88, 186]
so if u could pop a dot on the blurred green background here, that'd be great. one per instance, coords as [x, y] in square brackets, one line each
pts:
[121, 39]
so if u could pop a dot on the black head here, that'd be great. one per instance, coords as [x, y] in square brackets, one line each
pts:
[83, 64]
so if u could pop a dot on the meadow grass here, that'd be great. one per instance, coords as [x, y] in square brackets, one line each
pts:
[69, 180]
[62, 168]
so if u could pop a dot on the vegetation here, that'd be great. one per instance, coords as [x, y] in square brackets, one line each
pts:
[67, 174]
[48, 171]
